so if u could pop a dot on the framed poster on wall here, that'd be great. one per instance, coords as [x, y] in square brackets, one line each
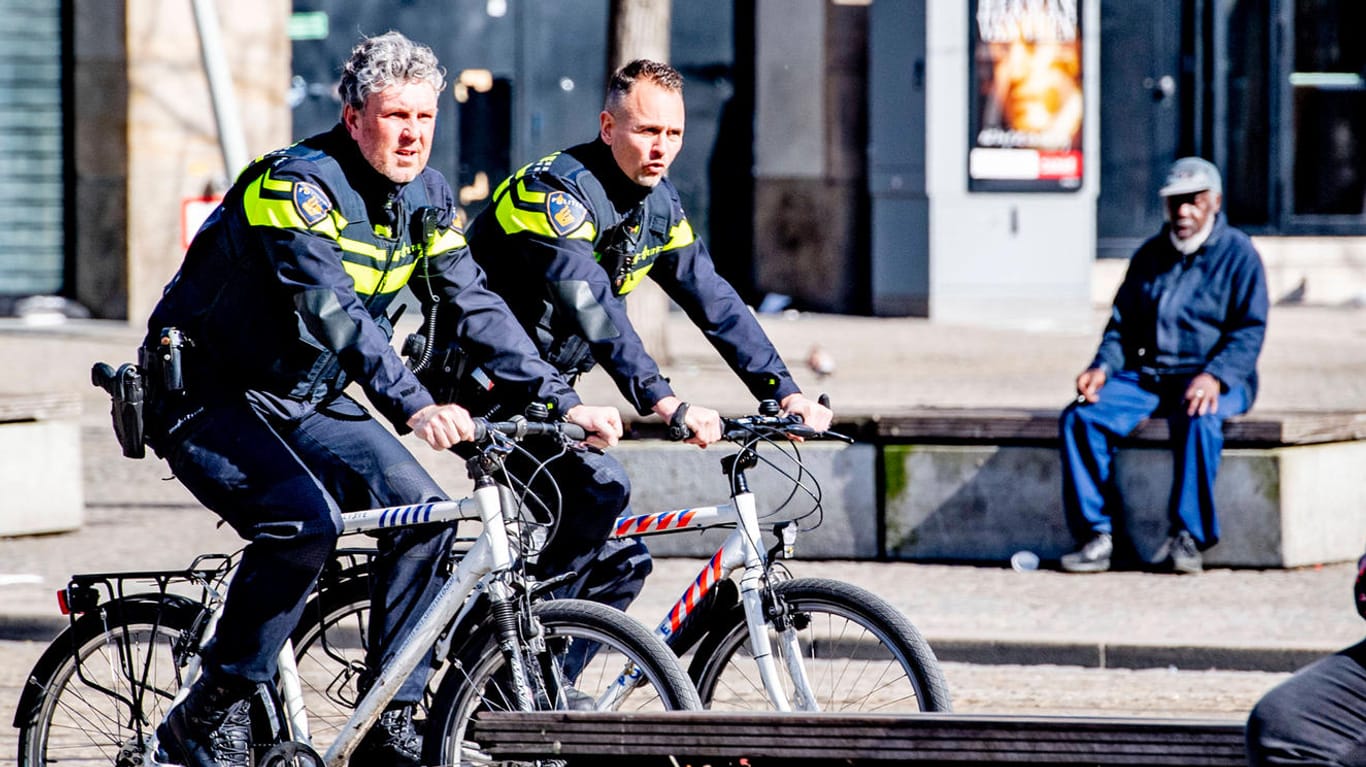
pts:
[1028, 96]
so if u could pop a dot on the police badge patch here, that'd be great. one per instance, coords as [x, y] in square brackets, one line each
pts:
[310, 202]
[565, 213]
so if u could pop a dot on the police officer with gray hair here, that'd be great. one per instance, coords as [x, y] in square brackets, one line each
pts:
[279, 304]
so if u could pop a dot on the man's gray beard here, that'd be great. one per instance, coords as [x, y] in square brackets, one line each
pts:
[1192, 243]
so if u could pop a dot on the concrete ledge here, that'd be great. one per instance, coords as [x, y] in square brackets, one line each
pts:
[41, 471]
[1025, 652]
[1278, 507]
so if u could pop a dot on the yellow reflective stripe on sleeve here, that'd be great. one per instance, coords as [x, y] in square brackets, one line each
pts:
[445, 241]
[632, 280]
[526, 195]
[272, 185]
[264, 211]
[363, 249]
[680, 236]
[280, 213]
[367, 279]
[515, 219]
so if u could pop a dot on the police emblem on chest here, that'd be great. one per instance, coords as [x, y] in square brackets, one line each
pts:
[565, 213]
[310, 202]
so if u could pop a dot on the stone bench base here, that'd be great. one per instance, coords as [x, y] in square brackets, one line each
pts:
[666, 477]
[1278, 507]
[1281, 506]
[40, 471]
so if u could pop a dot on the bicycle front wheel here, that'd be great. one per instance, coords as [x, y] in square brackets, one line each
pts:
[859, 654]
[105, 683]
[479, 680]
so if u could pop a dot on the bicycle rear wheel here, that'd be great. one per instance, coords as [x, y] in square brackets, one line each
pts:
[479, 681]
[860, 654]
[105, 683]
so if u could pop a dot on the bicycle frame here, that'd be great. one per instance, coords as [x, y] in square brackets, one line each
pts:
[490, 556]
[742, 549]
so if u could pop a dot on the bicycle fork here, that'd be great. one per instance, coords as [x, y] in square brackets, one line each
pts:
[752, 589]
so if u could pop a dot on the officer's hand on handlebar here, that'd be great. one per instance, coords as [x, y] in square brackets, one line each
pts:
[813, 414]
[703, 422]
[441, 426]
[602, 423]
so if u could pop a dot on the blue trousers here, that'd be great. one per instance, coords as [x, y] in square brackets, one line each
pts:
[281, 478]
[1317, 716]
[1089, 434]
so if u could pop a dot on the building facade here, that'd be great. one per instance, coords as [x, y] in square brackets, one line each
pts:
[803, 118]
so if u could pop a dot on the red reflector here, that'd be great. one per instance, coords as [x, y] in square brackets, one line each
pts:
[61, 603]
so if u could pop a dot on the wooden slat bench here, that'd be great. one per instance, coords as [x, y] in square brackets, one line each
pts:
[832, 739]
[41, 468]
[1008, 425]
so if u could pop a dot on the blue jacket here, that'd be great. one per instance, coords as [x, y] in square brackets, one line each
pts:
[1184, 315]
[285, 287]
[566, 238]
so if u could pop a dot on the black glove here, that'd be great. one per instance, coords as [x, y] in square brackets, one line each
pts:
[1360, 591]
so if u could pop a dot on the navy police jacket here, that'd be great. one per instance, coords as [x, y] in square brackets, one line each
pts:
[284, 288]
[566, 238]
[1184, 315]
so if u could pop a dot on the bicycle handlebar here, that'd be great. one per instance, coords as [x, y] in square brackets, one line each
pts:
[747, 427]
[519, 429]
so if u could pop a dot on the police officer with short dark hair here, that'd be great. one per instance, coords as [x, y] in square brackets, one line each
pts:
[564, 241]
[281, 302]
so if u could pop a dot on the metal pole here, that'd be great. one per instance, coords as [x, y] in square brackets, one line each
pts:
[230, 137]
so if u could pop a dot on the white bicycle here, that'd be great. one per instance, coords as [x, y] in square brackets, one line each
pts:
[132, 646]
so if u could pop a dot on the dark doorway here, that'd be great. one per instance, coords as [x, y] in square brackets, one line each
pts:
[1140, 107]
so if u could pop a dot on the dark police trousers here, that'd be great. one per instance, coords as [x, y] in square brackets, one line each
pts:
[593, 490]
[1317, 716]
[280, 473]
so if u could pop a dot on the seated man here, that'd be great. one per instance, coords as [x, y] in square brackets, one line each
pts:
[1182, 343]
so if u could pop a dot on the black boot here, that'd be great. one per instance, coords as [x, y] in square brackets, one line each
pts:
[211, 727]
[392, 741]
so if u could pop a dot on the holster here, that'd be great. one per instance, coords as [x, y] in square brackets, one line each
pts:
[127, 389]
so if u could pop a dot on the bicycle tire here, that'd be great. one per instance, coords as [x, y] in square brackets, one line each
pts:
[474, 684]
[861, 654]
[77, 716]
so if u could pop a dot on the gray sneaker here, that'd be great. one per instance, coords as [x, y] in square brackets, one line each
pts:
[1183, 554]
[1092, 557]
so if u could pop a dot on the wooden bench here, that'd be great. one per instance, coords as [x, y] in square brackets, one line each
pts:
[41, 469]
[1017, 425]
[757, 739]
[979, 484]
